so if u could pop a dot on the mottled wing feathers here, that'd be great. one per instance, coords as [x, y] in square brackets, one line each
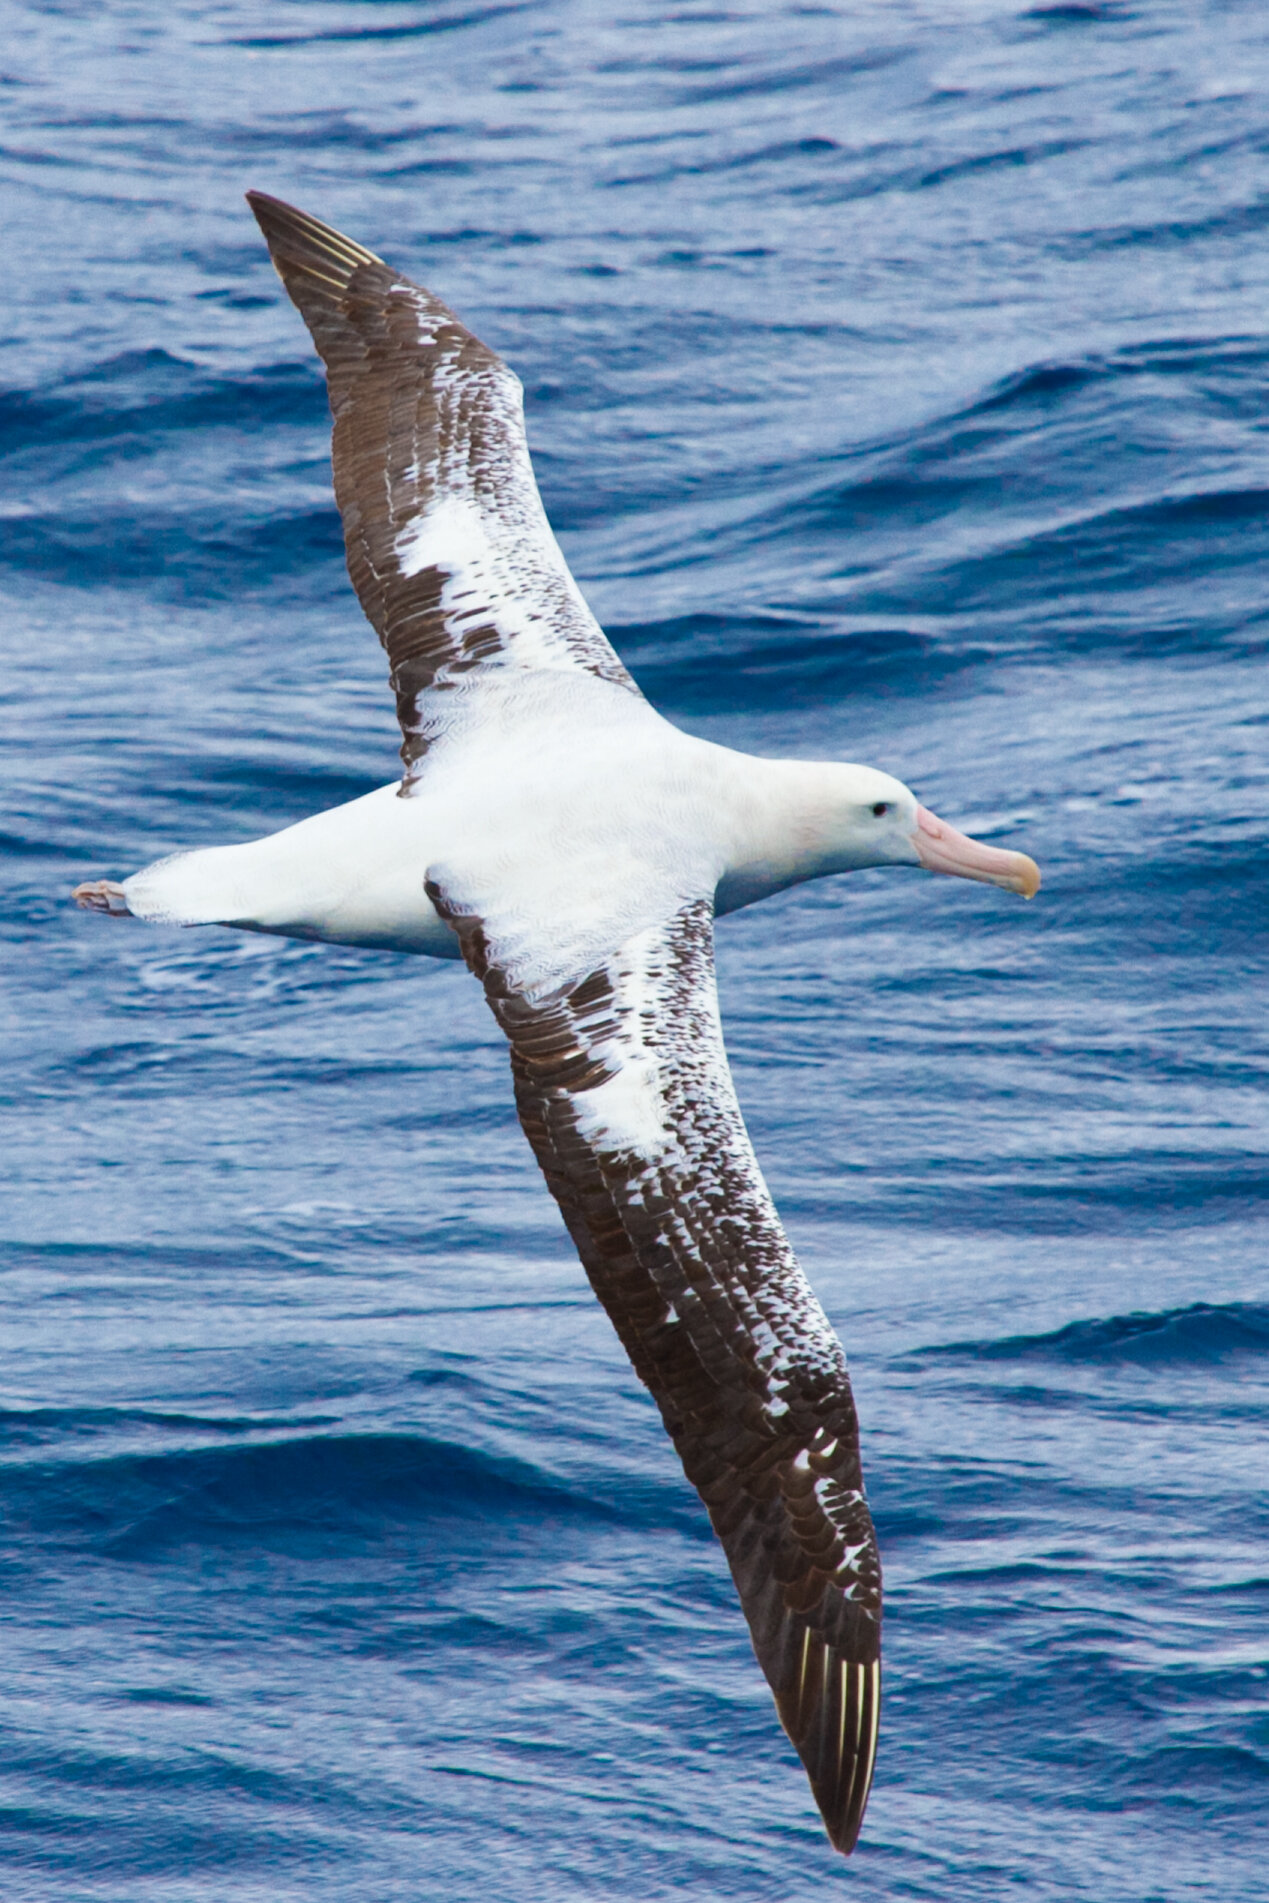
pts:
[448, 546]
[623, 1089]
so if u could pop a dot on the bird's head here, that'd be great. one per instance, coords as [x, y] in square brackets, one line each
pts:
[877, 821]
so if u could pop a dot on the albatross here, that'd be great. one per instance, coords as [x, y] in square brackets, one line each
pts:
[574, 848]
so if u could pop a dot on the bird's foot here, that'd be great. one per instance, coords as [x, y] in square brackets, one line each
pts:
[102, 895]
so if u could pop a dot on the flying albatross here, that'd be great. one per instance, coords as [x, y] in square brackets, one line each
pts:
[552, 829]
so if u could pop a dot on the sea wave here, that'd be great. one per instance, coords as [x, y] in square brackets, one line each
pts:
[989, 531]
[1201, 1333]
[318, 1491]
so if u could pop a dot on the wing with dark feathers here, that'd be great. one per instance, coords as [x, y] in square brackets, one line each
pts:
[623, 1089]
[448, 545]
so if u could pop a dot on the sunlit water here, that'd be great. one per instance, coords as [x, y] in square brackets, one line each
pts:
[897, 380]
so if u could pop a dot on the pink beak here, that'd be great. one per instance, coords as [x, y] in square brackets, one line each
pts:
[940, 848]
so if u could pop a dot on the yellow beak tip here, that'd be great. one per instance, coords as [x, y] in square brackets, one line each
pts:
[1028, 878]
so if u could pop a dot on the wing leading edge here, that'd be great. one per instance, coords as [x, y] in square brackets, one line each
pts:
[624, 1092]
[448, 545]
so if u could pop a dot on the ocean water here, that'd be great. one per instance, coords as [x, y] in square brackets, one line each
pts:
[897, 379]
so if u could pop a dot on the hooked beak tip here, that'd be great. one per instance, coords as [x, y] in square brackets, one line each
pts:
[1029, 881]
[940, 848]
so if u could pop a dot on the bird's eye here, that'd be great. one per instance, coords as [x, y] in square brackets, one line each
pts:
[881, 807]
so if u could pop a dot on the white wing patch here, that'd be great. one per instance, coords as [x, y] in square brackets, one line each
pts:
[628, 1111]
[484, 580]
[450, 535]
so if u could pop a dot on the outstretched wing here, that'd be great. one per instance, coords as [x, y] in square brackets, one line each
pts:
[448, 545]
[624, 1091]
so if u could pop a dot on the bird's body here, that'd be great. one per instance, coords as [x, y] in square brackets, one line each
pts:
[529, 772]
[553, 830]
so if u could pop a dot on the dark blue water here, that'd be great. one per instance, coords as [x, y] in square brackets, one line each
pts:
[898, 377]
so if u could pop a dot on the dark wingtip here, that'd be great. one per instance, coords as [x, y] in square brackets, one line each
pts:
[303, 239]
[832, 1716]
[844, 1817]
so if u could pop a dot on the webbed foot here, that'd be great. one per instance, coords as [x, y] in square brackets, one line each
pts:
[102, 895]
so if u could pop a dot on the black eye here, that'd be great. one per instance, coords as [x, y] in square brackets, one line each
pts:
[882, 806]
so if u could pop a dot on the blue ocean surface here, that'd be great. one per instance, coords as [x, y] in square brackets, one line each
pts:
[897, 379]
